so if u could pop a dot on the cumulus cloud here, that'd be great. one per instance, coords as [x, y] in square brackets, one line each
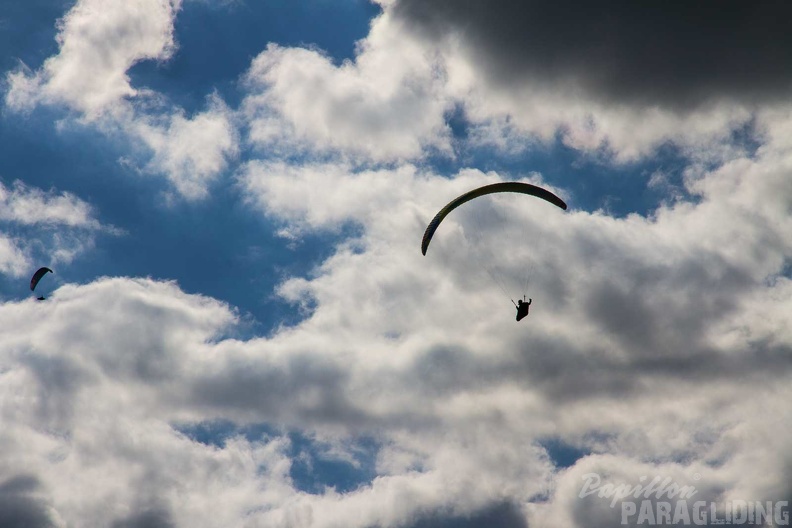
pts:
[192, 152]
[96, 467]
[521, 76]
[652, 343]
[617, 82]
[460, 402]
[30, 206]
[34, 219]
[105, 414]
[98, 44]
[387, 104]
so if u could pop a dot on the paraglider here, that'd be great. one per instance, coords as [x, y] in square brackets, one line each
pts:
[523, 307]
[36, 278]
[503, 187]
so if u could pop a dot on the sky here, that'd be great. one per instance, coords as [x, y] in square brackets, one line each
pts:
[241, 329]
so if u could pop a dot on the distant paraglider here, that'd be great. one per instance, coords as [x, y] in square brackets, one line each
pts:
[523, 307]
[503, 187]
[36, 278]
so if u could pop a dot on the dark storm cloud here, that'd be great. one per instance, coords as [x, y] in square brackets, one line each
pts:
[18, 507]
[676, 54]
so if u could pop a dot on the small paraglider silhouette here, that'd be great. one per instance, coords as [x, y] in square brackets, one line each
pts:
[523, 307]
[36, 278]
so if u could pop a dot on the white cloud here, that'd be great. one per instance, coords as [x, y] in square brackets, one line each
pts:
[98, 44]
[85, 377]
[391, 103]
[458, 396]
[387, 104]
[45, 224]
[12, 257]
[30, 206]
[191, 152]
[638, 344]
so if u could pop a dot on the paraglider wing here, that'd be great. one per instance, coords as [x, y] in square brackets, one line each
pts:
[37, 277]
[512, 187]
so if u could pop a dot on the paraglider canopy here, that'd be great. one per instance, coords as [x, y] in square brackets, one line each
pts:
[503, 187]
[37, 277]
